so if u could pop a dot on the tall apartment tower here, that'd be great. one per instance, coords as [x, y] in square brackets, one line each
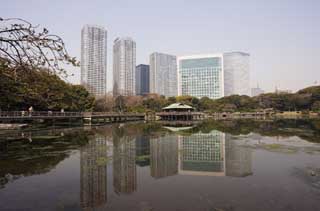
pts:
[163, 74]
[142, 79]
[124, 66]
[236, 73]
[94, 59]
[201, 75]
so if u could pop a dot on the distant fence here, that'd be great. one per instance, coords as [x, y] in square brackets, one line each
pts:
[54, 114]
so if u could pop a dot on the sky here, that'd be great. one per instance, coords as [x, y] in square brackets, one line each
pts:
[281, 36]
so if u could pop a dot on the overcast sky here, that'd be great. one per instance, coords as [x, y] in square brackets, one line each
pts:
[282, 36]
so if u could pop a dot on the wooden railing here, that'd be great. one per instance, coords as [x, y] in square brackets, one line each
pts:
[9, 114]
[53, 114]
[178, 113]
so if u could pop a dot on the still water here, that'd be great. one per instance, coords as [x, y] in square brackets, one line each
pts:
[216, 166]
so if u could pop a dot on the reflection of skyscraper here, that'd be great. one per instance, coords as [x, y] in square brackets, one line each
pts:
[202, 154]
[124, 167]
[164, 156]
[93, 177]
[142, 151]
[238, 159]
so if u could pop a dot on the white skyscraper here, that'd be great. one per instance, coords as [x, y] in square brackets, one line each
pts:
[94, 59]
[163, 74]
[124, 66]
[236, 73]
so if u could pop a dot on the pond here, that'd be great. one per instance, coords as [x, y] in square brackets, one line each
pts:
[217, 166]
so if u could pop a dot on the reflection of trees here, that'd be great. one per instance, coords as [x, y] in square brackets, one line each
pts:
[23, 158]
[93, 177]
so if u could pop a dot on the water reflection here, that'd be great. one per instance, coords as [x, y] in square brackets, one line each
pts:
[118, 166]
[202, 154]
[164, 156]
[238, 159]
[93, 173]
[207, 154]
[169, 154]
[142, 150]
[124, 167]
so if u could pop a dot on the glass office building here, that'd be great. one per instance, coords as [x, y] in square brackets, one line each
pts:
[94, 59]
[201, 76]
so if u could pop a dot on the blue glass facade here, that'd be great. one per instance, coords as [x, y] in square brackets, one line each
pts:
[142, 79]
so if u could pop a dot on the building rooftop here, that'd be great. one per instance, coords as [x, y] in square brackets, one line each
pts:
[178, 106]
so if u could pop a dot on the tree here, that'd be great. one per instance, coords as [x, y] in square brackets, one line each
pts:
[104, 103]
[24, 46]
[316, 106]
[120, 103]
[171, 100]
[48, 93]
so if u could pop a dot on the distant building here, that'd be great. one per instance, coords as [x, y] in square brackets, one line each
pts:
[256, 91]
[163, 74]
[236, 73]
[282, 91]
[124, 66]
[142, 79]
[94, 59]
[201, 76]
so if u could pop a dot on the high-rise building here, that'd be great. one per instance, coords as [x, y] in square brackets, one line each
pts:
[142, 79]
[124, 66]
[163, 74]
[94, 59]
[201, 76]
[282, 91]
[236, 73]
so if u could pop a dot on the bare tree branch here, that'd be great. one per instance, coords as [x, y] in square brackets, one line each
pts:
[24, 46]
